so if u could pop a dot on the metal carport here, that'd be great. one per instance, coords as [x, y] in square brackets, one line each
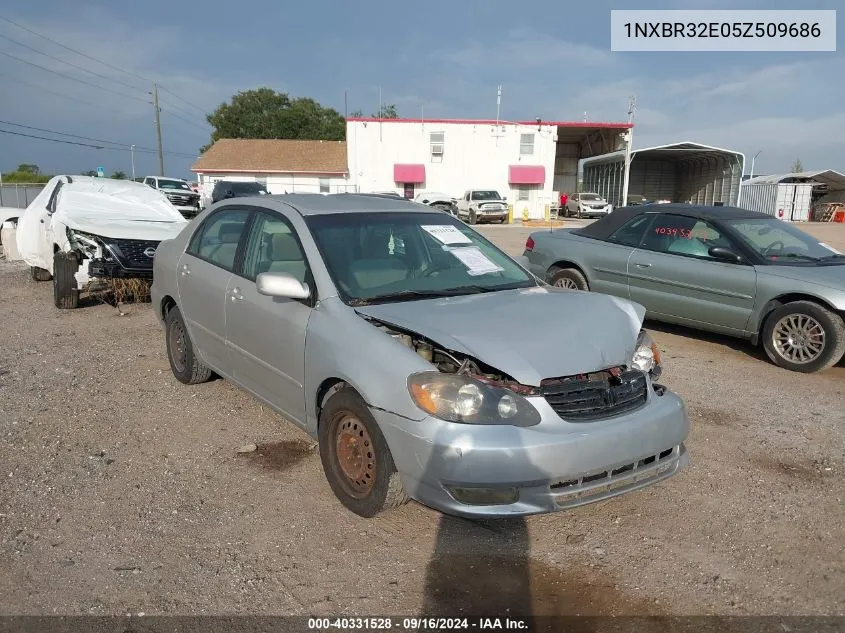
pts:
[679, 172]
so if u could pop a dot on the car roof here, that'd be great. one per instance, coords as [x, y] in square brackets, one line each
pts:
[323, 204]
[607, 225]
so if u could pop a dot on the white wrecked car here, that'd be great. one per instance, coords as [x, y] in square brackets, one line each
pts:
[81, 229]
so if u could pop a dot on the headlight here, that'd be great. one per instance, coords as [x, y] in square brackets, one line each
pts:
[90, 244]
[462, 399]
[647, 356]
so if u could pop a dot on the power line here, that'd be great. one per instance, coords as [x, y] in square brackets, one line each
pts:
[82, 81]
[138, 148]
[55, 140]
[60, 94]
[99, 61]
[173, 114]
[203, 110]
[178, 108]
[72, 50]
[58, 59]
[121, 146]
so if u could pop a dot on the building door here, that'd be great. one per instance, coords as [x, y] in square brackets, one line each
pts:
[409, 190]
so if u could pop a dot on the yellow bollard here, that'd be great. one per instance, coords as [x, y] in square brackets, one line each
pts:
[510, 214]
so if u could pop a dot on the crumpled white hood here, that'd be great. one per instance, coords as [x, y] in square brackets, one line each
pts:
[104, 207]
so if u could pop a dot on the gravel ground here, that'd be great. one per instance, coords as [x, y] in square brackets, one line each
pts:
[123, 491]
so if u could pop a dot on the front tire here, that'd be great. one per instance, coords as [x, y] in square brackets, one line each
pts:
[570, 279]
[355, 456]
[65, 291]
[184, 363]
[40, 274]
[803, 336]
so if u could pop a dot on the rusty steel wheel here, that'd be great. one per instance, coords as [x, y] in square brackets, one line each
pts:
[355, 456]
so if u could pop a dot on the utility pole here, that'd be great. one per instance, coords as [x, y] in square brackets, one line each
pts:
[132, 152]
[158, 130]
[629, 137]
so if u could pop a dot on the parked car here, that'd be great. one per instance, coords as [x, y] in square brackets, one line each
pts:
[721, 269]
[224, 189]
[81, 229]
[587, 205]
[482, 205]
[180, 194]
[438, 200]
[406, 343]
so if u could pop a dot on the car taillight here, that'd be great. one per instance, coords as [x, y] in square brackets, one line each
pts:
[529, 244]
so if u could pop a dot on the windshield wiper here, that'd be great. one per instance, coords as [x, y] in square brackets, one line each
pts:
[402, 294]
[430, 294]
[829, 257]
[797, 256]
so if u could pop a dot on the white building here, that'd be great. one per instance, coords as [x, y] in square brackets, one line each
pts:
[281, 165]
[528, 162]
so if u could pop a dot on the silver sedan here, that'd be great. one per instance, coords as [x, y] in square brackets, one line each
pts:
[415, 352]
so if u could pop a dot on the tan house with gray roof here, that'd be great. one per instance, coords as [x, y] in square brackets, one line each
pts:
[282, 165]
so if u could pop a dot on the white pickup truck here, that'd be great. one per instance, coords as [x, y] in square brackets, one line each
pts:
[483, 205]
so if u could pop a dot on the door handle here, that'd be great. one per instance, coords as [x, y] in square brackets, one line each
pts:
[236, 294]
[185, 270]
[641, 265]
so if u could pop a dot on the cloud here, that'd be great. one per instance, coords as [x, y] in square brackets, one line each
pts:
[523, 49]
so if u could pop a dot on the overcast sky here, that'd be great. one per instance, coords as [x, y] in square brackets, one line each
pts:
[444, 56]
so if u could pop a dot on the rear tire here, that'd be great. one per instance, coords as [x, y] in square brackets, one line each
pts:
[184, 363]
[570, 279]
[65, 291]
[803, 336]
[355, 456]
[40, 274]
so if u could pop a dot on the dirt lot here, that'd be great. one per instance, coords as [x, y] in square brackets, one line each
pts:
[122, 491]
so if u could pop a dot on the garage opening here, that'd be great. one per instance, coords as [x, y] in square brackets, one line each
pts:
[682, 172]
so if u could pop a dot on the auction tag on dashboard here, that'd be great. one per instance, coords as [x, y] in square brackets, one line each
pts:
[446, 233]
[477, 263]
[830, 248]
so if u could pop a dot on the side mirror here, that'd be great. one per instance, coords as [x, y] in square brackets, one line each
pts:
[281, 285]
[504, 198]
[724, 254]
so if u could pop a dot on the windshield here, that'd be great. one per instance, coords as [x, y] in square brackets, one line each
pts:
[590, 196]
[486, 195]
[371, 256]
[779, 242]
[172, 184]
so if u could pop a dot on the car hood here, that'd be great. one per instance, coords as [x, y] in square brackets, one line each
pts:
[124, 228]
[831, 276]
[529, 334]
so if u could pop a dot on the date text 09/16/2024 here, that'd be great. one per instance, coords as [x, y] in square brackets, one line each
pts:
[416, 624]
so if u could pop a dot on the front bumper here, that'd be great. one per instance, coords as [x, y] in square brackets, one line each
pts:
[552, 466]
[188, 211]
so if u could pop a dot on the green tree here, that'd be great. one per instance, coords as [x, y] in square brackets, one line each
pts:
[387, 111]
[29, 168]
[797, 166]
[119, 175]
[18, 176]
[265, 113]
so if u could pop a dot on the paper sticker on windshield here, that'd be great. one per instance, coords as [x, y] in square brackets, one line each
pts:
[830, 248]
[446, 233]
[477, 263]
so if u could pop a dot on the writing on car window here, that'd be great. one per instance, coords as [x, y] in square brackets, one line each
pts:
[700, 232]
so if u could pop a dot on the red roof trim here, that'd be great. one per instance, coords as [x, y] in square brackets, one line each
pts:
[572, 124]
[269, 171]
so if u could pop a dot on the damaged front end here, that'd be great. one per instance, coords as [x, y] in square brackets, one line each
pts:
[463, 389]
[122, 266]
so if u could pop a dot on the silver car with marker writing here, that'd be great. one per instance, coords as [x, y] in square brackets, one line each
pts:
[722, 269]
[418, 354]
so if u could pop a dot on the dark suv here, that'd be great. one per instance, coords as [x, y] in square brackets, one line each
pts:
[224, 189]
